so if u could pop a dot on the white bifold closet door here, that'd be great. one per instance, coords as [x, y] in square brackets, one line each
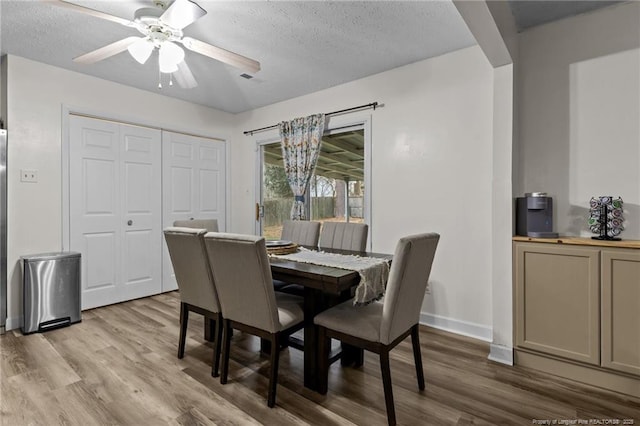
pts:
[194, 185]
[115, 204]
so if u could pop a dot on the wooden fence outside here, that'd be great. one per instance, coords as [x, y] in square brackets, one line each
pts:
[279, 209]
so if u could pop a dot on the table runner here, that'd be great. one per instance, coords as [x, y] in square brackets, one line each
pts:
[374, 272]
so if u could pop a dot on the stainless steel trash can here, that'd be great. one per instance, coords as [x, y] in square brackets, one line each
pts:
[51, 291]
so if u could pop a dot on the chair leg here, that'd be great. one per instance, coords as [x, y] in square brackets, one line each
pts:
[417, 356]
[184, 319]
[273, 376]
[209, 329]
[386, 383]
[324, 347]
[216, 346]
[226, 343]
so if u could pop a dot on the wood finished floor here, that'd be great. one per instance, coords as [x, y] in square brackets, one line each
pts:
[119, 366]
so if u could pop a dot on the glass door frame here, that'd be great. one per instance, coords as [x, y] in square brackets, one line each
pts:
[333, 125]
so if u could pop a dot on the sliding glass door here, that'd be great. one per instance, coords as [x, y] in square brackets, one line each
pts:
[337, 187]
[336, 192]
[276, 195]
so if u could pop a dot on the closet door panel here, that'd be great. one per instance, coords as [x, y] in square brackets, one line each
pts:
[115, 209]
[194, 185]
[141, 213]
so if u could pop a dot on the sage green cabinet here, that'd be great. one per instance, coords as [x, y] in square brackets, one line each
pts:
[558, 300]
[621, 310]
[577, 310]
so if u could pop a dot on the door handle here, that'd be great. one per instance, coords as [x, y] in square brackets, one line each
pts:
[129, 222]
[257, 212]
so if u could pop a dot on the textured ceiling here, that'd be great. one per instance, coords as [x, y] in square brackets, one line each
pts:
[303, 47]
[531, 13]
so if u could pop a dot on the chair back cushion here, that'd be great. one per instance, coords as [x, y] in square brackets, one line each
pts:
[344, 236]
[407, 283]
[211, 225]
[301, 232]
[242, 274]
[191, 266]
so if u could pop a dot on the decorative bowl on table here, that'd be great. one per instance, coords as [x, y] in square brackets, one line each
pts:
[276, 247]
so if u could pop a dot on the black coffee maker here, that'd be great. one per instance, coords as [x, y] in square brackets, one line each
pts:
[534, 216]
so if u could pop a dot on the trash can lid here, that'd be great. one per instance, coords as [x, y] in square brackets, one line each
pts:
[51, 256]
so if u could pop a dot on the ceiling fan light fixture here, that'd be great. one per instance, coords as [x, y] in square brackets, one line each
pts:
[141, 50]
[169, 57]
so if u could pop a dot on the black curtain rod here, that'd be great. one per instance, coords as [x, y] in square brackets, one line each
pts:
[373, 105]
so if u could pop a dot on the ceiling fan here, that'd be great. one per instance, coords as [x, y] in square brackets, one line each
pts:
[161, 28]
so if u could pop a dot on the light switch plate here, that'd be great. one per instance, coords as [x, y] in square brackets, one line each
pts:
[28, 175]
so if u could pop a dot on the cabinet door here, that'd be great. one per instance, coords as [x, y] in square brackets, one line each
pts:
[621, 310]
[557, 300]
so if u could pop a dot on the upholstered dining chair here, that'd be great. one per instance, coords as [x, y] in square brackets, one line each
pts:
[334, 235]
[211, 225]
[241, 272]
[195, 282]
[301, 232]
[380, 326]
[344, 236]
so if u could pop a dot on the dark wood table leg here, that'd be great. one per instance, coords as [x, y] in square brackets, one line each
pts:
[351, 355]
[209, 329]
[312, 306]
[265, 346]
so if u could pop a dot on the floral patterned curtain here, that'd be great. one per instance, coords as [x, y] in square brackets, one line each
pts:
[301, 139]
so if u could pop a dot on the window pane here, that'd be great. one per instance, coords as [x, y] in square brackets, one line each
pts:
[277, 196]
[337, 188]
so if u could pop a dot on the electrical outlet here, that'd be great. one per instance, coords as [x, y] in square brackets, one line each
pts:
[428, 289]
[28, 175]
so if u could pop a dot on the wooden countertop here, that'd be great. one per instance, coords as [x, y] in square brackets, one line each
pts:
[578, 241]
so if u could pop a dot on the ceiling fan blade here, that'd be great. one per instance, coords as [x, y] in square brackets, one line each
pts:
[184, 77]
[93, 12]
[221, 55]
[182, 13]
[106, 51]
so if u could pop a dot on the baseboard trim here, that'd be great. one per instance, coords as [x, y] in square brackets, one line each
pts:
[591, 375]
[501, 354]
[465, 328]
[13, 323]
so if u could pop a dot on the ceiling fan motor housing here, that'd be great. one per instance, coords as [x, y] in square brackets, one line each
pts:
[161, 4]
[149, 24]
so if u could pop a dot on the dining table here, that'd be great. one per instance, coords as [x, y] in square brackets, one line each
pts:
[324, 286]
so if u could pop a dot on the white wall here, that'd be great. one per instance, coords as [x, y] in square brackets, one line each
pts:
[579, 114]
[432, 171]
[36, 96]
[502, 216]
